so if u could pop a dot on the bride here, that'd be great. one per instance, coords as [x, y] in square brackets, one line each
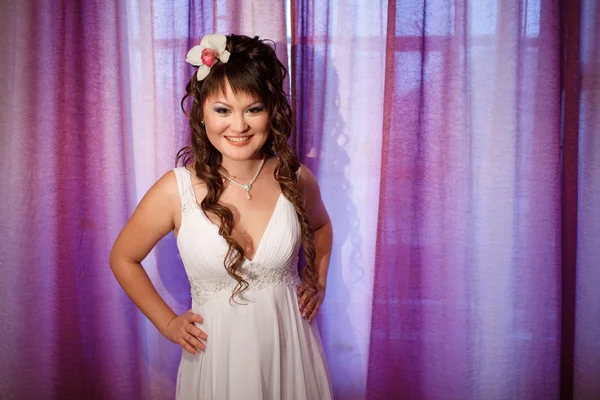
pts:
[241, 208]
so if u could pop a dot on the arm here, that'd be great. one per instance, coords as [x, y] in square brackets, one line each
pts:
[152, 219]
[323, 239]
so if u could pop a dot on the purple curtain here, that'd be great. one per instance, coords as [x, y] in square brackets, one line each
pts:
[338, 64]
[90, 118]
[587, 296]
[474, 278]
[64, 191]
[468, 263]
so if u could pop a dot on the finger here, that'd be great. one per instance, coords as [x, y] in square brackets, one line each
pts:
[314, 309]
[188, 347]
[314, 312]
[301, 300]
[302, 293]
[301, 289]
[194, 318]
[194, 342]
[305, 299]
[199, 333]
[311, 303]
[309, 306]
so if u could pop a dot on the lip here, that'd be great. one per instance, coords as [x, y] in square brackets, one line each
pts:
[239, 144]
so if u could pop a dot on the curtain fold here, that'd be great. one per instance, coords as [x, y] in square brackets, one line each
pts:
[62, 165]
[468, 248]
[90, 120]
[586, 385]
[338, 64]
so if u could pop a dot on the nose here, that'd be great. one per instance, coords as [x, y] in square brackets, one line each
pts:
[239, 123]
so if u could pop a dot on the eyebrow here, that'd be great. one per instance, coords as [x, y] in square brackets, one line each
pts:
[229, 105]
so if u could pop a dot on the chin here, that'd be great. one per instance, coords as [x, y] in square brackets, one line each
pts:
[238, 156]
[242, 154]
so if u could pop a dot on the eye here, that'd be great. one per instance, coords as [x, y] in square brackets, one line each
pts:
[221, 110]
[256, 110]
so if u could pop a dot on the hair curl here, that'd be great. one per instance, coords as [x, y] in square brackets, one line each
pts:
[253, 68]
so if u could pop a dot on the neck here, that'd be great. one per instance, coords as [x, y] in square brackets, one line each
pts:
[242, 171]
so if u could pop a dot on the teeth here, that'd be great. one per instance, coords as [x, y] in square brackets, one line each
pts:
[238, 138]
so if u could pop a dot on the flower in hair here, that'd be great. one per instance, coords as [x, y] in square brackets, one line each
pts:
[204, 55]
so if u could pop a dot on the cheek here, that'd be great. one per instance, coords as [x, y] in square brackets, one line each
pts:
[262, 132]
[213, 132]
[261, 125]
[214, 125]
[215, 128]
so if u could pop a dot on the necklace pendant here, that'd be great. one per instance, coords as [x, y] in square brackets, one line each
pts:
[246, 186]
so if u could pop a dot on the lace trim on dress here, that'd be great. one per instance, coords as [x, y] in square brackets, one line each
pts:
[257, 275]
[188, 200]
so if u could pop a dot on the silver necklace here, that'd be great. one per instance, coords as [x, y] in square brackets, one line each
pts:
[246, 186]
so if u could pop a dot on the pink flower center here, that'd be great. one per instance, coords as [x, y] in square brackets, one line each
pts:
[208, 57]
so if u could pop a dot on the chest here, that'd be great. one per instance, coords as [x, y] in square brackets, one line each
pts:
[251, 221]
[271, 243]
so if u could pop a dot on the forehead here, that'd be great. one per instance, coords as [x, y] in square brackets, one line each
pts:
[225, 93]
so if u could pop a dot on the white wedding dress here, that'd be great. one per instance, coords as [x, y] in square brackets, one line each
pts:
[262, 348]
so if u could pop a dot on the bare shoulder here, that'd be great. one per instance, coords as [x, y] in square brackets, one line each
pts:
[162, 199]
[307, 180]
[313, 203]
[166, 187]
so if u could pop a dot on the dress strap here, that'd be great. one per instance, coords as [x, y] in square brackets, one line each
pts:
[186, 190]
[184, 181]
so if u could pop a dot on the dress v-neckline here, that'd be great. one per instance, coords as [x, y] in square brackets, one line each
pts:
[217, 228]
[263, 236]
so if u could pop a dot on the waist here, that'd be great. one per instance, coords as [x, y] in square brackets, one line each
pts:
[257, 275]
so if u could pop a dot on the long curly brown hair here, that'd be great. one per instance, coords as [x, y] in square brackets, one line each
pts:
[254, 69]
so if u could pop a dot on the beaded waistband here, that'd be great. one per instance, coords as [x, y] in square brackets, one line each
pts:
[257, 275]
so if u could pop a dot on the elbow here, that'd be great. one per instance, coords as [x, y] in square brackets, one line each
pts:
[115, 258]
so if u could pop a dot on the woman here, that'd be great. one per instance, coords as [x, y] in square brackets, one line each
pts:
[240, 209]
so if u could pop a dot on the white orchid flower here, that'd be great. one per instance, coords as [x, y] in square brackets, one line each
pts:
[205, 54]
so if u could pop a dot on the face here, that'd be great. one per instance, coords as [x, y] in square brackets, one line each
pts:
[236, 125]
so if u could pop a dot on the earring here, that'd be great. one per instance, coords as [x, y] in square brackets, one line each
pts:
[202, 123]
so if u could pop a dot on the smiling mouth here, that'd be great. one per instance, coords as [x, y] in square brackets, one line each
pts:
[238, 139]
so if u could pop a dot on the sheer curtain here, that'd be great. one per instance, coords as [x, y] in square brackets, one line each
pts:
[338, 61]
[468, 248]
[66, 328]
[587, 315]
[463, 173]
[90, 118]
